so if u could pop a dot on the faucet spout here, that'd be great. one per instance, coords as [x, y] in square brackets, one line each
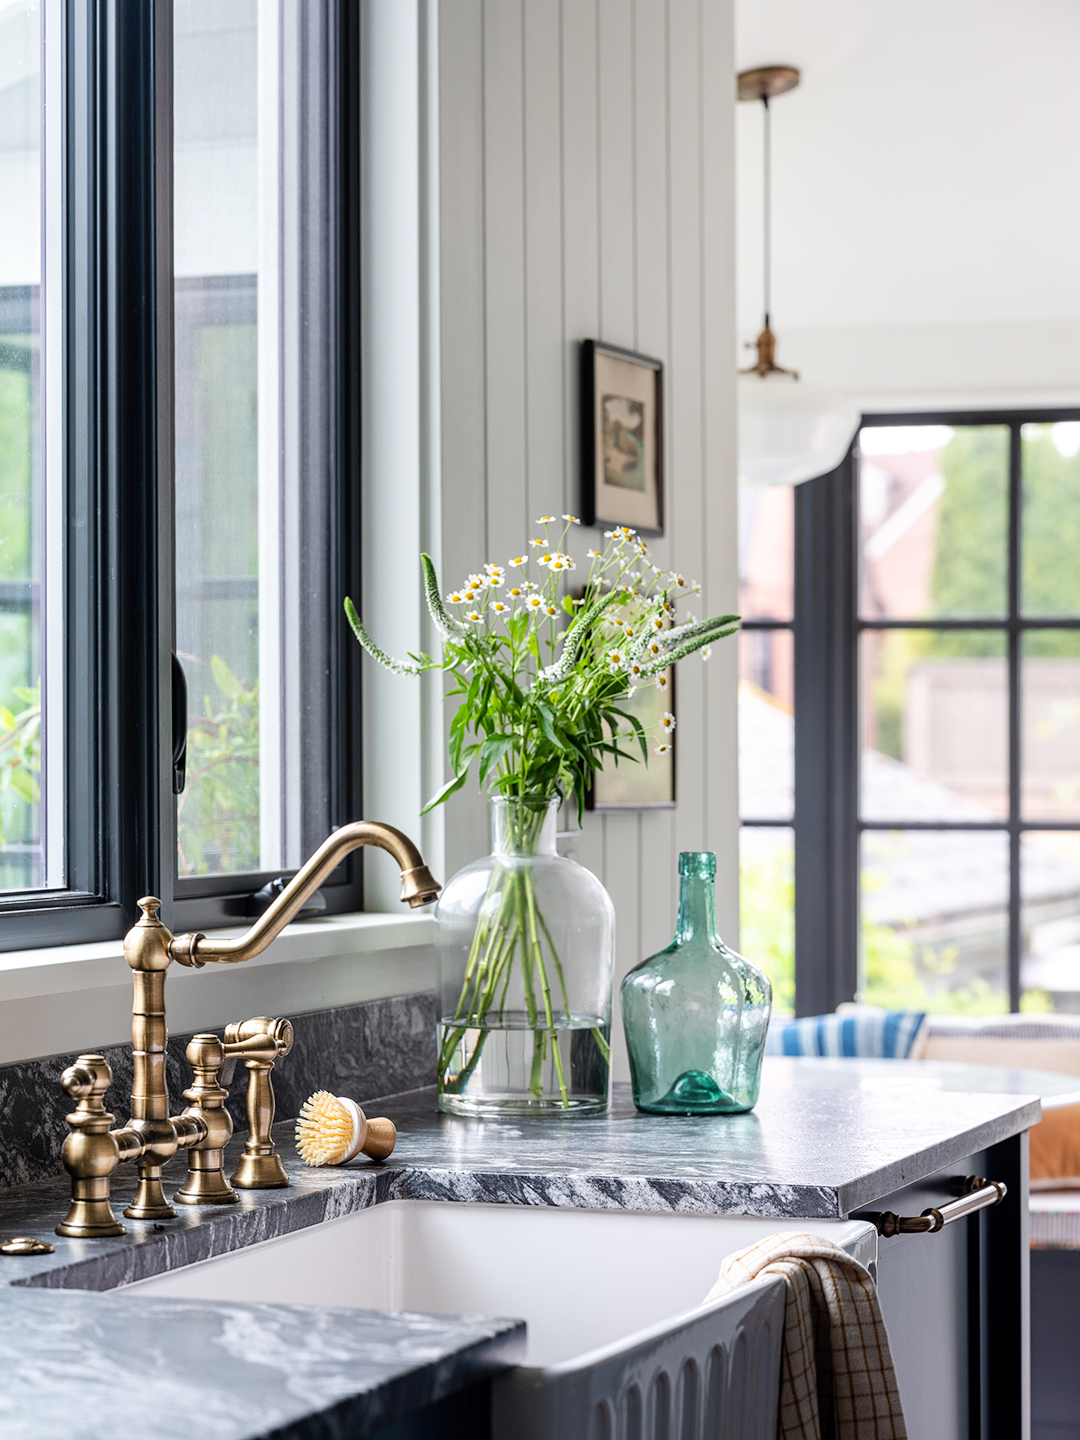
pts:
[418, 887]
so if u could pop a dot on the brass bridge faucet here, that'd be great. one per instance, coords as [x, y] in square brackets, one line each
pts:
[93, 1149]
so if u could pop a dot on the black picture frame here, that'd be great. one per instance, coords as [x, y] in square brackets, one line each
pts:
[608, 377]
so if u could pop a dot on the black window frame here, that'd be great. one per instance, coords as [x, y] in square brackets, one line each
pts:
[827, 628]
[120, 824]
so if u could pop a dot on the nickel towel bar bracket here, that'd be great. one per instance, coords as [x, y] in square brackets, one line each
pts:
[975, 1194]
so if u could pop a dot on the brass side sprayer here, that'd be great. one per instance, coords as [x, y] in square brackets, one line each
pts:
[93, 1149]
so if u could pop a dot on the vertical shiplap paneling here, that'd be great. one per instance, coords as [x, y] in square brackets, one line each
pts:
[504, 253]
[685, 393]
[658, 879]
[464, 356]
[581, 268]
[618, 322]
[543, 265]
[720, 523]
[603, 148]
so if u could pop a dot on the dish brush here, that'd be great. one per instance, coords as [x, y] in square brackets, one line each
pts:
[332, 1129]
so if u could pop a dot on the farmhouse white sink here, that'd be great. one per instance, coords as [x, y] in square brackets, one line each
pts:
[617, 1334]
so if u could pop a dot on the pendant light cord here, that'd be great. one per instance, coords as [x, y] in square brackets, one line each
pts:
[767, 226]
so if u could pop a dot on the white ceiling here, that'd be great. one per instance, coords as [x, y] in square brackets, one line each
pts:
[926, 171]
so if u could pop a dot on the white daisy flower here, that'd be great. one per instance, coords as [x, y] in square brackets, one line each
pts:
[667, 722]
[499, 608]
[546, 559]
[634, 670]
[616, 661]
[550, 609]
[595, 554]
[456, 597]
[562, 562]
[538, 544]
[661, 749]
[628, 631]
[474, 616]
[495, 573]
[655, 648]
[516, 591]
[573, 519]
[662, 682]
[706, 651]
[658, 623]
[609, 534]
[678, 580]
[546, 520]
[534, 602]
[519, 560]
[624, 532]
[476, 582]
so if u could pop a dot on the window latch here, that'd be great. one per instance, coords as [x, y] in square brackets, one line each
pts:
[179, 726]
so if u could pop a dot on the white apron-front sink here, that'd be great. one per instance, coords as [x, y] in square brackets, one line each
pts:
[617, 1333]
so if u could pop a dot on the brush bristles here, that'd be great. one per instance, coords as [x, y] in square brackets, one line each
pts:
[324, 1130]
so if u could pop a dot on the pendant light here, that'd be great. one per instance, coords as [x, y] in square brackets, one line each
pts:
[789, 431]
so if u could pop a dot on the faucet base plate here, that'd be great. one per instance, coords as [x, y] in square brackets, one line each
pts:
[259, 1172]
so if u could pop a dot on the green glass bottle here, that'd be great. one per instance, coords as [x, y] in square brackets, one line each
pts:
[696, 1014]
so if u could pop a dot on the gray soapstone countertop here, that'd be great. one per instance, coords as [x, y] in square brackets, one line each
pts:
[820, 1143]
[100, 1367]
[810, 1149]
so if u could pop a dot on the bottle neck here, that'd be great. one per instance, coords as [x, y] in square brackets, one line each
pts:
[697, 909]
[524, 828]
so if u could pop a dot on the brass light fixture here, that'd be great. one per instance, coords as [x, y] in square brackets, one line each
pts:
[789, 431]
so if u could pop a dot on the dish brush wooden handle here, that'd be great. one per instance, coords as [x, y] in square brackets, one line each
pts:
[381, 1138]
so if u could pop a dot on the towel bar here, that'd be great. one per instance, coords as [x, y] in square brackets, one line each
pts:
[976, 1194]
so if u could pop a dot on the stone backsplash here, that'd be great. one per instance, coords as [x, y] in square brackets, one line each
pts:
[380, 1047]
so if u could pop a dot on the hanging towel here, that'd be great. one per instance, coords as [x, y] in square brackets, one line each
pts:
[838, 1381]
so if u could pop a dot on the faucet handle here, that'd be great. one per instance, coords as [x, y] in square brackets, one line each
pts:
[210, 1124]
[92, 1151]
[259, 1043]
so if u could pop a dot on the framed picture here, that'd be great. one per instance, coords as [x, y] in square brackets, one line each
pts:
[633, 785]
[622, 434]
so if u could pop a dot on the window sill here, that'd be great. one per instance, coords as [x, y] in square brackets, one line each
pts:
[26, 974]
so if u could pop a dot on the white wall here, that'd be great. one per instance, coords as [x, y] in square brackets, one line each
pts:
[587, 191]
[561, 171]
[926, 201]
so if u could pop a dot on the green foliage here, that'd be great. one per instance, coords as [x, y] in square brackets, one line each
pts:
[218, 813]
[971, 562]
[541, 706]
[1050, 537]
[20, 759]
[767, 910]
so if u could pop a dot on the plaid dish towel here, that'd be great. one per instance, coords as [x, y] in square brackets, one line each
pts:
[838, 1381]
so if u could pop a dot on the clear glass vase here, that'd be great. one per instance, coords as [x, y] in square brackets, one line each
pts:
[696, 1014]
[524, 942]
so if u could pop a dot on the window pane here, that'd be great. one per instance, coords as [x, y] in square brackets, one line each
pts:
[1050, 534]
[935, 721]
[933, 518]
[766, 725]
[217, 266]
[935, 920]
[29, 586]
[1050, 701]
[1050, 886]
[767, 908]
[766, 552]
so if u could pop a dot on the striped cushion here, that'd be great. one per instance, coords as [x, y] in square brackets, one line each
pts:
[868, 1034]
